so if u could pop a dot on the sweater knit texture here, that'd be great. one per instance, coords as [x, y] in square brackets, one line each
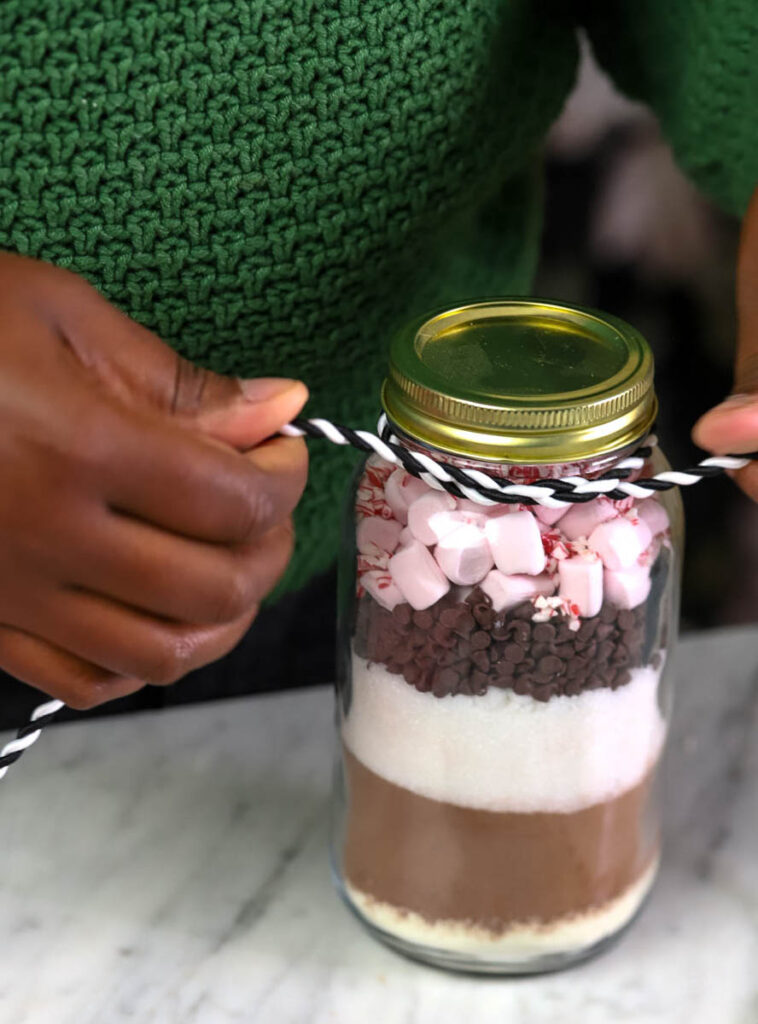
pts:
[272, 186]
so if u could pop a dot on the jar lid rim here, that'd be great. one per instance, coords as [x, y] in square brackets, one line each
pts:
[520, 380]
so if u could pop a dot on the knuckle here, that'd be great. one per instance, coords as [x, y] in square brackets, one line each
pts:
[170, 659]
[236, 595]
[255, 507]
[85, 698]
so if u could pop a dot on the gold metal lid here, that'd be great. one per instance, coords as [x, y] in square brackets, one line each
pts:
[518, 380]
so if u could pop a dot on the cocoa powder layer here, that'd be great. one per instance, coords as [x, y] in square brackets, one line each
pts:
[492, 869]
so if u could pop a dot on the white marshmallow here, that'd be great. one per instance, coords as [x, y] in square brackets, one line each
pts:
[654, 515]
[618, 542]
[400, 490]
[581, 520]
[507, 591]
[423, 509]
[626, 588]
[581, 583]
[550, 516]
[374, 533]
[464, 555]
[516, 543]
[417, 575]
[382, 588]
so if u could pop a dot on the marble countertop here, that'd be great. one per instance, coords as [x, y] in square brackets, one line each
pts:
[173, 867]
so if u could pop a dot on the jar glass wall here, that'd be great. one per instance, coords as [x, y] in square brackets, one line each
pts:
[503, 704]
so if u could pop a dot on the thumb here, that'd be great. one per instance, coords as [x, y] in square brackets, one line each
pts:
[140, 369]
[732, 426]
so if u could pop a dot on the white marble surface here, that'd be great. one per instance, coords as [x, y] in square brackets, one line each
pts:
[173, 868]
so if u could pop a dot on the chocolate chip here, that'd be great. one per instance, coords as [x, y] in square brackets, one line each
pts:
[587, 629]
[607, 613]
[424, 619]
[445, 682]
[402, 613]
[481, 660]
[484, 615]
[550, 665]
[505, 668]
[480, 640]
[478, 682]
[544, 693]
[450, 616]
[544, 632]
[520, 632]
[523, 611]
[443, 636]
[513, 652]
[625, 619]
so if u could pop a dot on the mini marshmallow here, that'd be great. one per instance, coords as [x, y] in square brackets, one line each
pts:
[418, 577]
[508, 591]
[654, 515]
[423, 509]
[581, 520]
[581, 584]
[550, 516]
[618, 542]
[516, 543]
[406, 537]
[382, 588]
[374, 533]
[626, 588]
[464, 555]
[400, 490]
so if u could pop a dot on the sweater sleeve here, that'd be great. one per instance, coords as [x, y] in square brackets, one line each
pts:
[695, 63]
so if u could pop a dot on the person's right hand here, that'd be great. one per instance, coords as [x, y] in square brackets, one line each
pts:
[138, 532]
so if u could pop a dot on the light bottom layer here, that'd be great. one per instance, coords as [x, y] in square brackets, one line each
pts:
[520, 942]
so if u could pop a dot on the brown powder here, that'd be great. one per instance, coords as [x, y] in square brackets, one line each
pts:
[495, 869]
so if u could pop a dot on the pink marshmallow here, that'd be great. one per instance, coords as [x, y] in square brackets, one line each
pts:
[550, 516]
[581, 583]
[516, 543]
[400, 490]
[417, 576]
[422, 511]
[626, 588]
[654, 515]
[618, 542]
[374, 533]
[581, 520]
[382, 588]
[507, 591]
[464, 555]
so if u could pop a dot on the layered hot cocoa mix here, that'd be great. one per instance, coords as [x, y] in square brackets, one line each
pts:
[501, 727]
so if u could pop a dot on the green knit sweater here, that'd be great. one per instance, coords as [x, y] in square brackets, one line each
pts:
[272, 185]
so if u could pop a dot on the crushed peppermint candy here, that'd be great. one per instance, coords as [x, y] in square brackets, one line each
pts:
[549, 607]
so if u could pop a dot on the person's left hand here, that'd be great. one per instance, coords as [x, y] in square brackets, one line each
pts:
[732, 427]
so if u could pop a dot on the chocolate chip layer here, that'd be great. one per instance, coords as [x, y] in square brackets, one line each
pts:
[465, 647]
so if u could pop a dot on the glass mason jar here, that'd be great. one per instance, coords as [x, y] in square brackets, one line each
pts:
[503, 678]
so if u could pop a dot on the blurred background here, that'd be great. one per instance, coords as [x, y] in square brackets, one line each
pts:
[627, 233]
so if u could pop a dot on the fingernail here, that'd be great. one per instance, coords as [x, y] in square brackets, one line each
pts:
[262, 389]
[739, 398]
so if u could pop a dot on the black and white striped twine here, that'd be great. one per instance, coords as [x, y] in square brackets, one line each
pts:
[461, 482]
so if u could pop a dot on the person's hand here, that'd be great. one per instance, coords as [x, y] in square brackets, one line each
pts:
[138, 532]
[732, 427]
